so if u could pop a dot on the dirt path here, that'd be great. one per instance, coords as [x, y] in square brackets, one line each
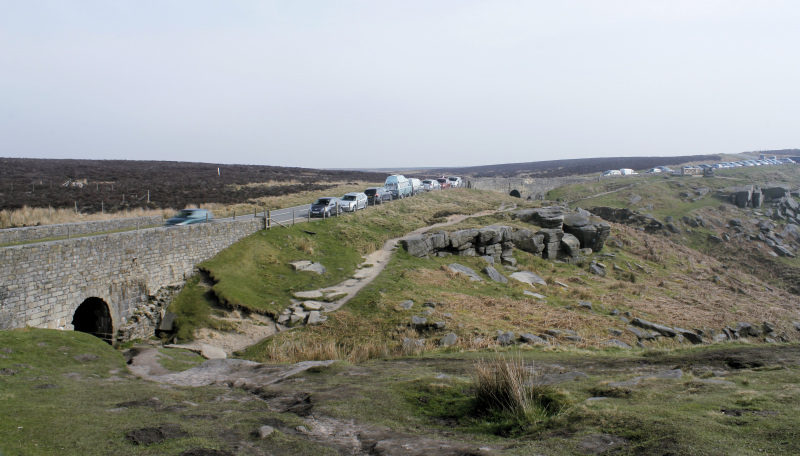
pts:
[254, 328]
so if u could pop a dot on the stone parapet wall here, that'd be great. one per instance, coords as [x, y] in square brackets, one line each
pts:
[42, 284]
[35, 233]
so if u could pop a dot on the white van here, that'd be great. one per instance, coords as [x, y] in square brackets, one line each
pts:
[398, 185]
[416, 185]
[627, 172]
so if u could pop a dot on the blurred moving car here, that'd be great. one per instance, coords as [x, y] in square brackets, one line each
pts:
[352, 202]
[190, 217]
[324, 207]
[377, 195]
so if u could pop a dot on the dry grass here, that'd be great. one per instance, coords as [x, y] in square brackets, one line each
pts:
[32, 216]
[507, 386]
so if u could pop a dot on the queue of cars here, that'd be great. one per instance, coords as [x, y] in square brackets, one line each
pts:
[396, 186]
[704, 168]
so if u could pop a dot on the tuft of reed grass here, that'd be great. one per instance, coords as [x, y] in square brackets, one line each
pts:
[507, 388]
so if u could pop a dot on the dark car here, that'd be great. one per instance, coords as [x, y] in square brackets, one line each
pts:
[324, 207]
[377, 195]
[190, 216]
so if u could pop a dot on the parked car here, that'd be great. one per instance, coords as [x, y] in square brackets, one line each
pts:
[352, 202]
[627, 172]
[455, 181]
[189, 217]
[430, 184]
[443, 182]
[377, 195]
[324, 207]
[612, 172]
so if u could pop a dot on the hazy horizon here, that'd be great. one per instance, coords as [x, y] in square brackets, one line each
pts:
[409, 84]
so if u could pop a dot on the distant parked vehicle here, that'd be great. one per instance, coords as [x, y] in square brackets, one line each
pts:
[653, 171]
[612, 172]
[377, 195]
[627, 172]
[324, 207]
[352, 202]
[443, 182]
[455, 181]
[190, 217]
[416, 185]
[431, 184]
[398, 185]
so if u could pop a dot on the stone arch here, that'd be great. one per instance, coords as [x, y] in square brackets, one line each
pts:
[515, 193]
[93, 317]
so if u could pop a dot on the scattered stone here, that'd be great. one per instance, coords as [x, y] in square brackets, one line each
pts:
[312, 305]
[534, 295]
[407, 305]
[316, 318]
[553, 332]
[561, 284]
[494, 275]
[419, 322]
[448, 339]
[308, 266]
[641, 335]
[489, 259]
[585, 304]
[768, 327]
[440, 325]
[532, 339]
[265, 431]
[473, 276]
[505, 338]
[661, 329]
[615, 331]
[528, 277]
[691, 336]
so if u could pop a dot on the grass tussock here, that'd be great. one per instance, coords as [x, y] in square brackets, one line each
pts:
[507, 390]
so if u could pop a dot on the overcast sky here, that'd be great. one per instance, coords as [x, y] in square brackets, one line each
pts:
[330, 84]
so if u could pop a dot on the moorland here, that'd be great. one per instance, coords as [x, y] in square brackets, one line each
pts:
[371, 379]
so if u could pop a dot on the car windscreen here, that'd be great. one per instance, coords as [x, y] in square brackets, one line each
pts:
[322, 201]
[349, 198]
[184, 214]
[441, 181]
[453, 179]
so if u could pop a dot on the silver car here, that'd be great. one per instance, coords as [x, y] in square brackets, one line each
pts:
[352, 202]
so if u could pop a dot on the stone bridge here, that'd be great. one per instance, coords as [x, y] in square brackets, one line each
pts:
[524, 187]
[97, 284]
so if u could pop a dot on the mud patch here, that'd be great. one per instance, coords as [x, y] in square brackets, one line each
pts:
[206, 452]
[600, 443]
[151, 435]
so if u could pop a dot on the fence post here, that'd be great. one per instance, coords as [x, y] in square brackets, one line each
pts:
[137, 224]
[234, 214]
[69, 235]
[292, 217]
[269, 220]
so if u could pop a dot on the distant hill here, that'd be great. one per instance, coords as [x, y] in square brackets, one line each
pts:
[92, 183]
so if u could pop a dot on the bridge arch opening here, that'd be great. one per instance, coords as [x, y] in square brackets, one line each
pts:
[515, 193]
[93, 317]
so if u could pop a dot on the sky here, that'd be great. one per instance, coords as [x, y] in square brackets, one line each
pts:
[382, 84]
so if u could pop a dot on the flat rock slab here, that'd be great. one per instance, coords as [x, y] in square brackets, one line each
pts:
[494, 275]
[314, 294]
[308, 266]
[473, 276]
[212, 352]
[534, 295]
[237, 371]
[528, 277]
